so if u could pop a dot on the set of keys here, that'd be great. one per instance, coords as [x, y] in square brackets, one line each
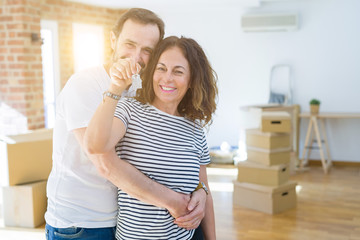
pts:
[136, 84]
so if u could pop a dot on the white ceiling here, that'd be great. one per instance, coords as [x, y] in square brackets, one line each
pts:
[168, 3]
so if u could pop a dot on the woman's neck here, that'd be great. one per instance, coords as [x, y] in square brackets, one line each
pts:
[167, 108]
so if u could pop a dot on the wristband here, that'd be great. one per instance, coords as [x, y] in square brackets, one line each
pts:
[203, 186]
[111, 95]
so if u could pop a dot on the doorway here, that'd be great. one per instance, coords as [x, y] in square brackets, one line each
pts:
[50, 68]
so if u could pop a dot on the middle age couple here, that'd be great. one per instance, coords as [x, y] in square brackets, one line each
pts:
[160, 130]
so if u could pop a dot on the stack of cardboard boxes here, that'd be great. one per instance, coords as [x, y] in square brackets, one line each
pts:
[263, 180]
[25, 164]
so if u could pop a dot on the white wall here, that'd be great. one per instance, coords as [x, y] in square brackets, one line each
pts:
[324, 54]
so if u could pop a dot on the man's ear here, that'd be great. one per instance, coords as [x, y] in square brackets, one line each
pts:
[112, 40]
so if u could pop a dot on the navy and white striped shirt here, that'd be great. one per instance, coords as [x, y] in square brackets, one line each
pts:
[168, 149]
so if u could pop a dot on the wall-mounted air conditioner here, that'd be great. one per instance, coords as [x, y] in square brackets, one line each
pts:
[270, 22]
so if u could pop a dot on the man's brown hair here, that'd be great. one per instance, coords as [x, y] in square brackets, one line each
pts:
[139, 15]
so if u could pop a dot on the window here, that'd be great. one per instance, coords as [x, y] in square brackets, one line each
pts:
[88, 43]
[50, 67]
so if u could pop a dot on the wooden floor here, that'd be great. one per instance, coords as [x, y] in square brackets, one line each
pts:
[328, 208]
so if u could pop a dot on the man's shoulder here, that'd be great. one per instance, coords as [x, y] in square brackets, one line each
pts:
[94, 77]
[88, 73]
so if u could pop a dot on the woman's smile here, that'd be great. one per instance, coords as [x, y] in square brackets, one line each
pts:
[167, 89]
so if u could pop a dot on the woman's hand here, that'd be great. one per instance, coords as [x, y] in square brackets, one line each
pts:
[196, 211]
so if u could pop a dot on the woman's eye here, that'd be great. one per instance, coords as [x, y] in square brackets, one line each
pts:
[160, 69]
[178, 72]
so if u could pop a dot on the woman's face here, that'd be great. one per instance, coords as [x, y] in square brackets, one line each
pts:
[171, 80]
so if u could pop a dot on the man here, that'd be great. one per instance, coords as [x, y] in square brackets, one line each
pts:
[82, 198]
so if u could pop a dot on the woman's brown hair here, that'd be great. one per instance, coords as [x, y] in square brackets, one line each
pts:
[199, 102]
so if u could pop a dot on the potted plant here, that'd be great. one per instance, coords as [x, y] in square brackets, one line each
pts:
[314, 106]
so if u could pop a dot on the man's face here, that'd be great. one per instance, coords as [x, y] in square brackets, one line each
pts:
[136, 41]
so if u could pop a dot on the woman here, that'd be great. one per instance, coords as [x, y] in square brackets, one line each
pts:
[161, 133]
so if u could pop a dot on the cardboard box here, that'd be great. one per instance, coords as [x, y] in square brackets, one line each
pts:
[25, 158]
[268, 157]
[265, 199]
[25, 205]
[267, 140]
[263, 175]
[275, 122]
[221, 157]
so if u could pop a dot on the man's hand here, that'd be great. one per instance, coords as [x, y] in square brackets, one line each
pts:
[180, 208]
[196, 208]
[121, 72]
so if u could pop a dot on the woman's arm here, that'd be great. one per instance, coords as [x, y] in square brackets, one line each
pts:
[208, 222]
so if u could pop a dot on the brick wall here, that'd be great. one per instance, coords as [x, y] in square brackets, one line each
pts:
[21, 85]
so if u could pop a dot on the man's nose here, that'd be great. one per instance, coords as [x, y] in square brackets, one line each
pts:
[137, 55]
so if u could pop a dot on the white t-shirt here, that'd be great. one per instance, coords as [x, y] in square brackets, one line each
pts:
[77, 194]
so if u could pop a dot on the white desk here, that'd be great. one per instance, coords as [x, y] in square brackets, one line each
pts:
[314, 122]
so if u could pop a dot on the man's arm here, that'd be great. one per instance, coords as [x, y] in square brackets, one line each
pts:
[125, 176]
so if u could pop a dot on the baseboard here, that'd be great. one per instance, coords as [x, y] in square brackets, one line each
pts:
[311, 162]
[314, 162]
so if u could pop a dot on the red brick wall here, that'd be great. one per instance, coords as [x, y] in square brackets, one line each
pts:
[21, 85]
